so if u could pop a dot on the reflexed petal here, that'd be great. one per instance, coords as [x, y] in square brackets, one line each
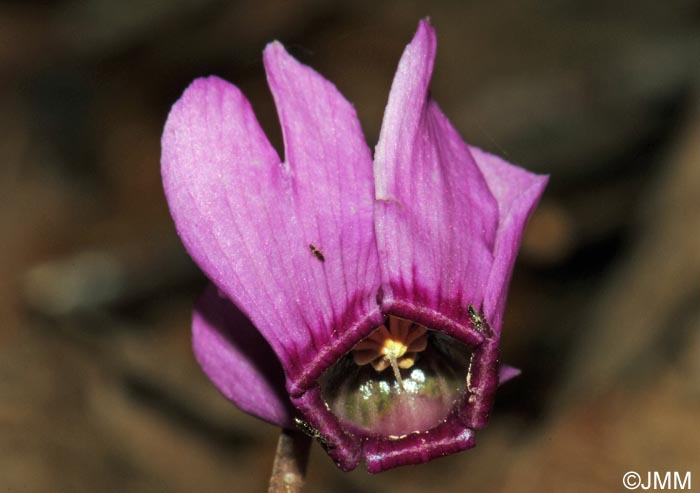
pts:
[238, 360]
[291, 243]
[436, 218]
[517, 192]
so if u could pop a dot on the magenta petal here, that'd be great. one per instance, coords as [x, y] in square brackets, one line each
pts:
[333, 194]
[238, 360]
[517, 192]
[291, 244]
[436, 218]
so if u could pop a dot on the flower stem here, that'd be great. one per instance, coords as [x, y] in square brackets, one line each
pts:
[291, 459]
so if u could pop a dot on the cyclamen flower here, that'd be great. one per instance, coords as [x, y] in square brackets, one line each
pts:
[380, 285]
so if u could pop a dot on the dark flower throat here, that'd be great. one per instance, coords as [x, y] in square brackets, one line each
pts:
[401, 379]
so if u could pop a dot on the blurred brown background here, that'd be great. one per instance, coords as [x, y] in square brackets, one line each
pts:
[98, 387]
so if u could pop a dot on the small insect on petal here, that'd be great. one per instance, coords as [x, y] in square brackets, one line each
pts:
[317, 253]
[311, 432]
[479, 321]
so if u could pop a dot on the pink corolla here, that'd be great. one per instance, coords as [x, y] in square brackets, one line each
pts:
[375, 287]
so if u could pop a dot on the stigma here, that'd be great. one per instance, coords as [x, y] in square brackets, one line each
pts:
[394, 344]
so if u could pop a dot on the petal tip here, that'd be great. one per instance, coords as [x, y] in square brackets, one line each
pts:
[273, 48]
[206, 83]
[425, 34]
[276, 57]
[507, 373]
[195, 94]
[537, 187]
[426, 25]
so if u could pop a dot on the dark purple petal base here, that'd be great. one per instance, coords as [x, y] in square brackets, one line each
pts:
[380, 453]
[347, 446]
[417, 448]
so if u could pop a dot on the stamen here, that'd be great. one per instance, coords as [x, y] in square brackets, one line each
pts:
[397, 372]
[396, 343]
